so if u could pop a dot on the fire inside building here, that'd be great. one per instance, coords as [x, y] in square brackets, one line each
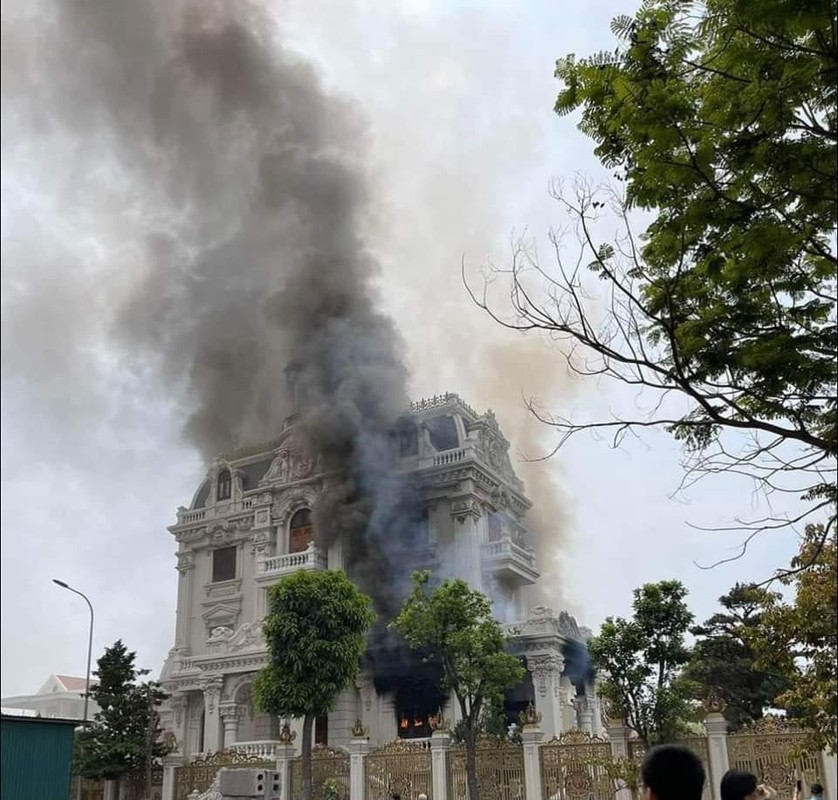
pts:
[253, 520]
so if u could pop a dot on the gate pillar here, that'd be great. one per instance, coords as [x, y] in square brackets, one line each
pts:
[440, 742]
[716, 726]
[531, 736]
[357, 752]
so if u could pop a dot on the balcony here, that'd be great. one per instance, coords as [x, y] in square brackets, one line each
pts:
[509, 560]
[272, 567]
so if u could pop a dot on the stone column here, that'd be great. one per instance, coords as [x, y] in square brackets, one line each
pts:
[366, 698]
[716, 726]
[585, 715]
[440, 743]
[358, 749]
[546, 673]
[212, 723]
[532, 737]
[342, 717]
[284, 754]
[618, 735]
[567, 694]
[231, 714]
[179, 703]
[185, 568]
[387, 730]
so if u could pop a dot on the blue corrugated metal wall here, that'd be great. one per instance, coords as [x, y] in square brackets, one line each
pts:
[36, 758]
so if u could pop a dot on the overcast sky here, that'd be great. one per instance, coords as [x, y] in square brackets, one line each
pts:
[457, 100]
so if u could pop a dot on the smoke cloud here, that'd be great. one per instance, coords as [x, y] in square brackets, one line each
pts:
[236, 183]
[209, 222]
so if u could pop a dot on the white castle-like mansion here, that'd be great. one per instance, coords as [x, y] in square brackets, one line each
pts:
[250, 524]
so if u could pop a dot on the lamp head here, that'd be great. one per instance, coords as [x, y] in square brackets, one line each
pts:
[60, 583]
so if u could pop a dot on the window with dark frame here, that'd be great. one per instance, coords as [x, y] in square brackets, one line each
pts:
[223, 564]
[225, 485]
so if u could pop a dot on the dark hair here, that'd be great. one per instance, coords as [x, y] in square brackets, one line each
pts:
[817, 788]
[673, 772]
[737, 784]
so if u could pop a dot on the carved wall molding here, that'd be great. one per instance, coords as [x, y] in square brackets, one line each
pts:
[293, 461]
[546, 671]
[287, 504]
[211, 687]
[463, 509]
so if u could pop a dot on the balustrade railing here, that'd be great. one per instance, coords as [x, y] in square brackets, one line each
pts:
[506, 548]
[192, 516]
[449, 457]
[264, 750]
[310, 558]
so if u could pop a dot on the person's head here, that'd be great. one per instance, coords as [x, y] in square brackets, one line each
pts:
[817, 790]
[738, 785]
[672, 772]
[422, 796]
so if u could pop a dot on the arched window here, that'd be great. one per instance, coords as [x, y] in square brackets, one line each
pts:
[301, 531]
[224, 488]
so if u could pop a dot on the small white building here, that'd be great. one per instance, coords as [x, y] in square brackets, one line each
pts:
[250, 523]
[61, 696]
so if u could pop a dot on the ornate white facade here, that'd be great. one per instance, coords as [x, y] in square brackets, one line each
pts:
[249, 525]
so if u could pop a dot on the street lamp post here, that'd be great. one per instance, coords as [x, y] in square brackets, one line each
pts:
[89, 654]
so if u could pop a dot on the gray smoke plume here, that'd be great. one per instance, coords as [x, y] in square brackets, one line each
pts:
[240, 179]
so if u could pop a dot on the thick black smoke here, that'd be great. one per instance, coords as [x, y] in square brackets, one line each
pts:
[242, 180]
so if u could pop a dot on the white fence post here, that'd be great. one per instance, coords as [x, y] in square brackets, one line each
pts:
[830, 775]
[716, 726]
[170, 764]
[440, 743]
[284, 754]
[358, 749]
[618, 737]
[532, 736]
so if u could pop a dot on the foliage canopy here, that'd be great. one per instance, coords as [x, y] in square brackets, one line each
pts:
[125, 732]
[641, 661]
[718, 120]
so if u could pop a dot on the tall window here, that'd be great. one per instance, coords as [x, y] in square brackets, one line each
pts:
[321, 730]
[408, 440]
[301, 531]
[223, 564]
[225, 485]
[495, 527]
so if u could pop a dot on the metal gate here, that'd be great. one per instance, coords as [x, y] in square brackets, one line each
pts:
[200, 773]
[776, 752]
[574, 766]
[500, 771]
[326, 764]
[398, 767]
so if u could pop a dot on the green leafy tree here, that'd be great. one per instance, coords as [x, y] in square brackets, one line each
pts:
[718, 120]
[125, 734]
[315, 632]
[641, 661]
[723, 660]
[453, 623]
[801, 638]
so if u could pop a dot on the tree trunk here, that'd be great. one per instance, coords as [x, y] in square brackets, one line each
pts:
[471, 761]
[308, 724]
